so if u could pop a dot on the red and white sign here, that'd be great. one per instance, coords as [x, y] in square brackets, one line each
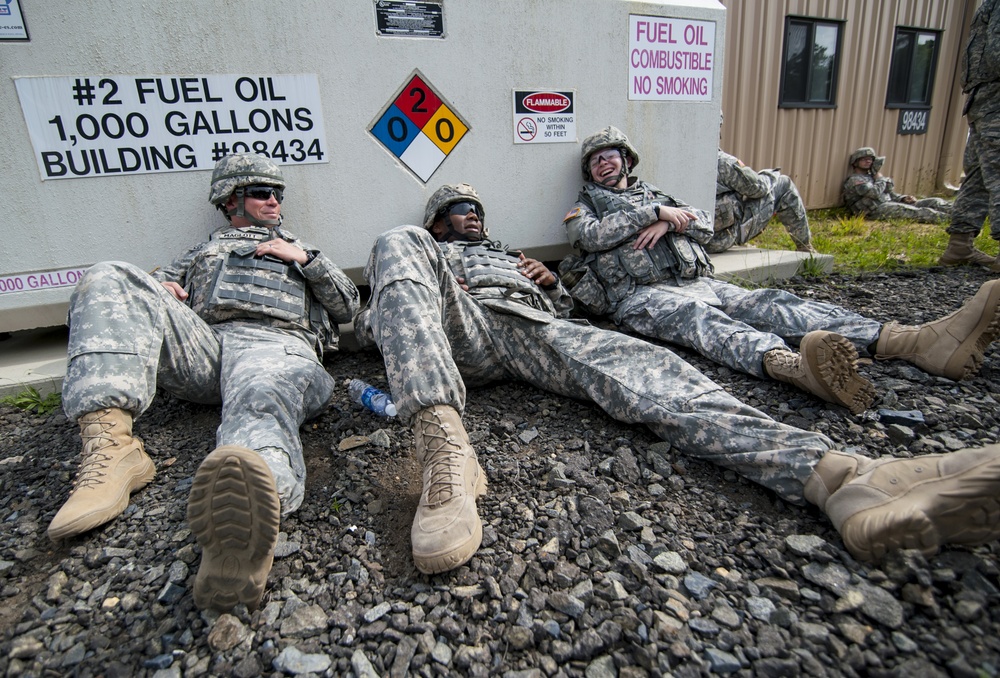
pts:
[670, 59]
[544, 117]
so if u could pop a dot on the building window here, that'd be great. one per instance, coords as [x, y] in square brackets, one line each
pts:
[810, 64]
[911, 76]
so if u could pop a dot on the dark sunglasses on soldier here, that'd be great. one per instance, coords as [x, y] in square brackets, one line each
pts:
[264, 193]
[463, 208]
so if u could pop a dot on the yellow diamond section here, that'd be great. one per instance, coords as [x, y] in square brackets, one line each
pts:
[444, 129]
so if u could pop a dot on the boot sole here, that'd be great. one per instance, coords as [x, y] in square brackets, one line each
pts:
[141, 475]
[833, 360]
[457, 554]
[234, 513]
[962, 508]
[968, 358]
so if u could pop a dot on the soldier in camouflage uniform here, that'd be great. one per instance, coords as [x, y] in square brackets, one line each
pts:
[645, 266]
[241, 320]
[746, 200]
[868, 193]
[979, 195]
[450, 308]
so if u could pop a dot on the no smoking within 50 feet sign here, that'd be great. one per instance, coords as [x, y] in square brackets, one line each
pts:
[418, 127]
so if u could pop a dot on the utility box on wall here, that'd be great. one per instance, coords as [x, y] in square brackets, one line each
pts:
[115, 115]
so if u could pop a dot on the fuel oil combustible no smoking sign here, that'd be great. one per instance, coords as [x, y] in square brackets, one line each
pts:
[543, 117]
[419, 128]
[98, 125]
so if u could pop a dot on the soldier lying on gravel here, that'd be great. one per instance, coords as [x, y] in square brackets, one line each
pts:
[449, 306]
[240, 320]
[645, 267]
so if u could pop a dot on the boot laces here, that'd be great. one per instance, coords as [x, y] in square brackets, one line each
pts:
[443, 455]
[94, 461]
[784, 362]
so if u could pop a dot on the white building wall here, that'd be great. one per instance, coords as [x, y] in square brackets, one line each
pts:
[489, 50]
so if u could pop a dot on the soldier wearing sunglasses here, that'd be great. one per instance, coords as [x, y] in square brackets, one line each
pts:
[241, 320]
[449, 308]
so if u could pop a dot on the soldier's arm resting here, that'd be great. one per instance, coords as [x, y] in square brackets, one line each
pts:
[331, 287]
[736, 176]
[588, 233]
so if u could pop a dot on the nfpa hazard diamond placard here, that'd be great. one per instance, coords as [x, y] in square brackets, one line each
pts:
[418, 127]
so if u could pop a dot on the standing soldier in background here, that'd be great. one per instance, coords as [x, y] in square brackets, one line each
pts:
[868, 193]
[241, 320]
[979, 195]
[746, 200]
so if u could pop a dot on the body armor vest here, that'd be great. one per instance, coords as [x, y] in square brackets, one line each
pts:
[492, 273]
[620, 269]
[248, 286]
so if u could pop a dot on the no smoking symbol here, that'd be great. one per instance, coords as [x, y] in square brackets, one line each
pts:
[526, 129]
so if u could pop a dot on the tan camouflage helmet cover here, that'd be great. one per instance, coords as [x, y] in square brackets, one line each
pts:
[242, 169]
[449, 194]
[609, 137]
[863, 152]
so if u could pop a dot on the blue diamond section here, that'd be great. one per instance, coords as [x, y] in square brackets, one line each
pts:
[395, 130]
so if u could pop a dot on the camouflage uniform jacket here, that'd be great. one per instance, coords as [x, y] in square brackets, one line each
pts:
[738, 187]
[863, 193]
[981, 61]
[330, 296]
[604, 224]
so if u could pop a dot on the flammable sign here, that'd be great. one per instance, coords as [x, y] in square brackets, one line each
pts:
[544, 117]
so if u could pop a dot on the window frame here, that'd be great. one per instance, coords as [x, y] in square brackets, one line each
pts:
[915, 31]
[811, 23]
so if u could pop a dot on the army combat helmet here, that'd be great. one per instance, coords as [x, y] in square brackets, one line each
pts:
[609, 137]
[234, 173]
[867, 152]
[448, 195]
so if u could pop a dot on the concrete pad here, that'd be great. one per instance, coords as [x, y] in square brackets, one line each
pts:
[759, 266]
[37, 358]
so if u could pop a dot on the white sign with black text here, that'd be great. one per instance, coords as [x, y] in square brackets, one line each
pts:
[99, 125]
[544, 117]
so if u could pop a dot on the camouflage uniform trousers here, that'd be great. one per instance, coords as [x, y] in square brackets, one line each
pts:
[926, 210]
[744, 326]
[784, 202]
[979, 195]
[128, 335]
[435, 338]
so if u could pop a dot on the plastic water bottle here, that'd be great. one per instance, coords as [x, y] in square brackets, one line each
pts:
[370, 397]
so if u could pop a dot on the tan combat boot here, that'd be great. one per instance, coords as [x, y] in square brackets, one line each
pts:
[951, 347]
[961, 250]
[113, 465]
[879, 505]
[234, 512]
[446, 530]
[826, 367]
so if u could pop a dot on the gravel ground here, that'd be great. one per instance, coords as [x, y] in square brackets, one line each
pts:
[604, 553]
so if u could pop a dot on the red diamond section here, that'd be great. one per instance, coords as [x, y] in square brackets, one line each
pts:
[417, 101]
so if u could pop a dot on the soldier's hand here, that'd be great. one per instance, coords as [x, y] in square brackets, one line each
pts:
[284, 250]
[676, 216]
[461, 283]
[650, 235]
[180, 294]
[536, 271]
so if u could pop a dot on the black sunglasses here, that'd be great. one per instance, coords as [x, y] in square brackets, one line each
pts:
[463, 208]
[264, 193]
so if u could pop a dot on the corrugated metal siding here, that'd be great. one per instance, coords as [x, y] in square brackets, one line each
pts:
[812, 145]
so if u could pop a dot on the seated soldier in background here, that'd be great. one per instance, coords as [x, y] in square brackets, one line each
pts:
[746, 200]
[868, 193]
